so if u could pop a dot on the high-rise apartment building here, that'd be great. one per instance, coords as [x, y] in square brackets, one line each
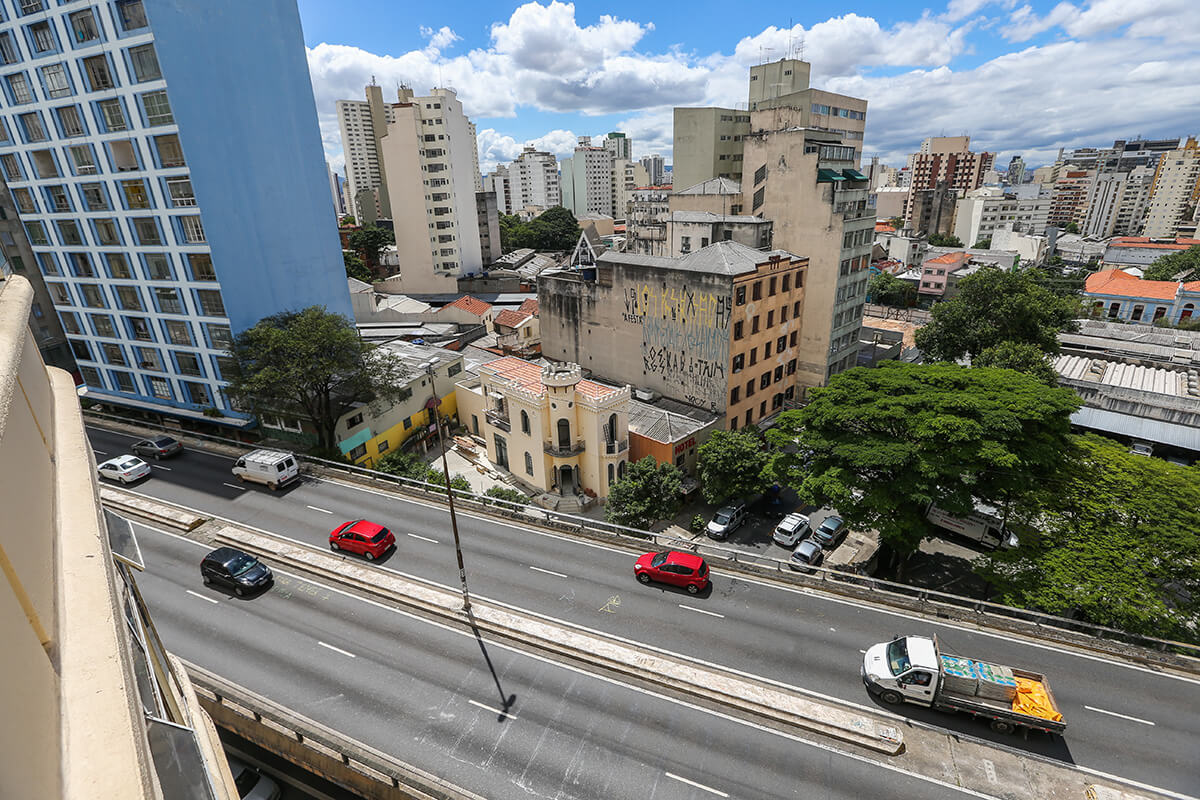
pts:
[626, 176]
[948, 161]
[1176, 188]
[620, 145]
[363, 123]
[987, 209]
[587, 180]
[164, 217]
[335, 191]
[1016, 171]
[1131, 211]
[1068, 198]
[529, 182]
[655, 168]
[707, 143]
[499, 183]
[430, 160]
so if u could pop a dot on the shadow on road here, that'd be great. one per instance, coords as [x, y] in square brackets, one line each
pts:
[506, 701]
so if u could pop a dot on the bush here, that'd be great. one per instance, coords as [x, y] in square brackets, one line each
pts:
[507, 494]
[698, 524]
[404, 464]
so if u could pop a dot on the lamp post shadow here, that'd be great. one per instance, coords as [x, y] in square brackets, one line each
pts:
[506, 701]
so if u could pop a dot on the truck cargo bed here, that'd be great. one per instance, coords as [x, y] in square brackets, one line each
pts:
[996, 709]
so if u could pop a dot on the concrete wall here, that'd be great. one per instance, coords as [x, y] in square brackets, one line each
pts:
[697, 145]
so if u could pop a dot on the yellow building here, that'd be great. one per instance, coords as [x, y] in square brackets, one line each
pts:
[565, 437]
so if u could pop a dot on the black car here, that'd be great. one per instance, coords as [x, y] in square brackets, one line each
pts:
[233, 569]
[157, 447]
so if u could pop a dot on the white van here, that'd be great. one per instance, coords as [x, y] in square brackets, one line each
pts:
[272, 467]
[984, 526]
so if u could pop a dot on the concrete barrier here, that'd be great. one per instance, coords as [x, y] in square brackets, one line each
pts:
[131, 505]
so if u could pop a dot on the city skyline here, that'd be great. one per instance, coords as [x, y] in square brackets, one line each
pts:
[544, 74]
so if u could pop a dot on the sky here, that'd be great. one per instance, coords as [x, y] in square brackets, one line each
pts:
[1018, 77]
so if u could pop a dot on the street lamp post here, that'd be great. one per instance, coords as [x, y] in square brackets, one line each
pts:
[430, 367]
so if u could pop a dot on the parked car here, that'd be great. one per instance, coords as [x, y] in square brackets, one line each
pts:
[678, 569]
[272, 467]
[157, 447]
[233, 569]
[808, 554]
[791, 529]
[251, 784]
[367, 539]
[727, 520]
[125, 469]
[830, 532]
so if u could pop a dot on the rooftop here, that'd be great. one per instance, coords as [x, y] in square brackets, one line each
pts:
[666, 421]
[528, 376]
[1146, 241]
[1120, 283]
[529, 306]
[719, 258]
[470, 305]
[415, 356]
[1127, 376]
[708, 216]
[511, 318]
[713, 186]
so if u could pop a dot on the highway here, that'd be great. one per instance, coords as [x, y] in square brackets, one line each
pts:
[1124, 720]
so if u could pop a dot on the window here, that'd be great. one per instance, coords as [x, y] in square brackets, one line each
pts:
[193, 231]
[211, 304]
[135, 194]
[146, 231]
[94, 198]
[791, 367]
[113, 354]
[131, 14]
[158, 267]
[103, 326]
[129, 298]
[31, 125]
[685, 244]
[760, 175]
[735, 394]
[118, 266]
[737, 330]
[220, 338]
[8, 51]
[149, 358]
[753, 356]
[42, 38]
[767, 350]
[54, 78]
[383, 446]
[12, 167]
[70, 321]
[49, 266]
[93, 295]
[18, 88]
[60, 294]
[69, 121]
[771, 292]
[36, 231]
[189, 365]
[83, 26]
[124, 156]
[525, 424]
[170, 154]
[754, 325]
[750, 388]
[787, 283]
[113, 115]
[145, 63]
[178, 332]
[168, 300]
[771, 318]
[98, 73]
[56, 199]
[757, 293]
[201, 267]
[354, 420]
[792, 339]
[161, 388]
[44, 164]
[31, 6]
[24, 198]
[796, 305]
[783, 311]
[158, 110]
[739, 361]
[82, 159]
[68, 232]
[180, 192]
[529, 464]
[778, 376]
[199, 395]
[107, 232]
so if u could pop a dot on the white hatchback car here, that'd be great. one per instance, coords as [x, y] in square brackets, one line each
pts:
[790, 530]
[125, 469]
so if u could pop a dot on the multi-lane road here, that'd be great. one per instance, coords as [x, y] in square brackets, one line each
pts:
[1124, 720]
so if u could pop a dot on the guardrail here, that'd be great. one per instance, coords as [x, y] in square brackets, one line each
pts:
[933, 601]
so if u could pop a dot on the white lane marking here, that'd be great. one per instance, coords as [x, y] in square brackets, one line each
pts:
[495, 711]
[164, 469]
[230, 485]
[828, 748]
[1122, 716]
[423, 538]
[549, 572]
[702, 611]
[100, 452]
[202, 597]
[717, 792]
[337, 649]
[323, 511]
[989, 769]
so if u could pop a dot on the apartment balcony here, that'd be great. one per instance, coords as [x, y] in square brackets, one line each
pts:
[613, 448]
[498, 419]
[557, 450]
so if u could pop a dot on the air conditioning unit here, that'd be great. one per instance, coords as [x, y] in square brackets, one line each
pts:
[646, 395]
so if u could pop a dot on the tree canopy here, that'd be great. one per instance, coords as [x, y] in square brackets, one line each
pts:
[1181, 265]
[369, 242]
[313, 363]
[983, 244]
[648, 492]
[883, 443]
[553, 229]
[944, 240]
[355, 268]
[995, 306]
[1114, 538]
[888, 290]
[730, 464]
[1021, 356]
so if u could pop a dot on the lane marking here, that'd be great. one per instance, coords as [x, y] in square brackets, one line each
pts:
[424, 538]
[230, 485]
[746, 723]
[100, 452]
[1122, 716]
[498, 712]
[549, 572]
[202, 597]
[164, 469]
[702, 611]
[337, 649]
[717, 792]
[323, 511]
[989, 769]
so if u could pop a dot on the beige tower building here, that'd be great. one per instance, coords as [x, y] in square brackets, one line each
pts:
[708, 144]
[363, 123]
[1176, 188]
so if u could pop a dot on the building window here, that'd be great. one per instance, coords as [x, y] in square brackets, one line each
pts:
[529, 464]
[771, 288]
[170, 154]
[42, 38]
[145, 63]
[180, 192]
[178, 332]
[749, 416]
[740, 295]
[221, 338]
[146, 231]
[69, 121]
[8, 52]
[354, 420]
[791, 367]
[83, 26]
[118, 266]
[383, 446]
[767, 350]
[754, 325]
[739, 361]
[792, 339]
[129, 298]
[131, 14]
[24, 198]
[113, 115]
[168, 300]
[99, 73]
[757, 292]
[135, 194]
[103, 325]
[44, 164]
[56, 199]
[189, 365]
[750, 388]
[780, 344]
[93, 295]
[737, 330]
[787, 283]
[68, 232]
[32, 127]
[753, 356]
[18, 88]
[94, 197]
[193, 231]
[36, 231]
[524, 423]
[201, 267]
[211, 304]
[54, 77]
[771, 318]
[158, 110]
[778, 376]
[82, 159]
[735, 394]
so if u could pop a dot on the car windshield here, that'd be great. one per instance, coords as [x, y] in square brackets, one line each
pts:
[831, 523]
[379, 537]
[658, 560]
[897, 655]
[241, 564]
[722, 517]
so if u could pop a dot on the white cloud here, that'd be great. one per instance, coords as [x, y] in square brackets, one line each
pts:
[497, 148]
[440, 39]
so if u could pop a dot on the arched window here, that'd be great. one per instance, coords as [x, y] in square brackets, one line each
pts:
[612, 428]
[1188, 310]
[612, 471]
[1160, 312]
[1113, 310]
[1098, 308]
[528, 461]
[620, 470]
[1136, 314]
[564, 433]
[524, 422]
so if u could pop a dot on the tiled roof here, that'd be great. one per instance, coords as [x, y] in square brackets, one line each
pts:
[529, 306]
[1144, 242]
[511, 318]
[883, 227]
[528, 376]
[1118, 282]
[470, 305]
[949, 258]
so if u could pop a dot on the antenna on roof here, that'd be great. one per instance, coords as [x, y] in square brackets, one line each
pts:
[372, 80]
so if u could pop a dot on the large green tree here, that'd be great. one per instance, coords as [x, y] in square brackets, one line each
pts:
[553, 229]
[730, 464]
[1182, 265]
[995, 306]
[1113, 538]
[944, 240]
[648, 492]
[355, 268]
[369, 242]
[882, 444]
[888, 290]
[1021, 356]
[312, 363]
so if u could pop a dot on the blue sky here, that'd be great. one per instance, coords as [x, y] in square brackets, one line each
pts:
[1019, 77]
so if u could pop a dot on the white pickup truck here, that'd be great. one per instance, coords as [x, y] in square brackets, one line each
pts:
[911, 669]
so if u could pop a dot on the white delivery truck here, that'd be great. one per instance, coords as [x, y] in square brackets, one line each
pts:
[911, 669]
[272, 467]
[984, 525]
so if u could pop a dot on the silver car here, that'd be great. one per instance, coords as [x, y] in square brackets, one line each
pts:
[727, 520]
[808, 554]
[790, 530]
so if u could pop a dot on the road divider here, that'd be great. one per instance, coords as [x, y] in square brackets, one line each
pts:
[133, 506]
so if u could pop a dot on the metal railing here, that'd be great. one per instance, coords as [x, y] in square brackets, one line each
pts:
[932, 601]
[499, 420]
[559, 450]
[616, 447]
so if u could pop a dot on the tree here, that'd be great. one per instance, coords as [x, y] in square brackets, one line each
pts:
[406, 464]
[896, 222]
[944, 240]
[984, 244]
[355, 268]
[508, 224]
[312, 363]
[730, 464]
[882, 444]
[1022, 357]
[1071, 227]
[347, 221]
[369, 242]
[648, 492]
[888, 290]
[1182, 265]
[553, 229]
[995, 306]
[1114, 539]
[507, 494]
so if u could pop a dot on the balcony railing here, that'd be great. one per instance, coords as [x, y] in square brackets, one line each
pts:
[559, 451]
[498, 419]
[616, 447]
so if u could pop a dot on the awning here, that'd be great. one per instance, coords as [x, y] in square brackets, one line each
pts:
[1149, 430]
[231, 418]
[829, 176]
[854, 175]
[362, 437]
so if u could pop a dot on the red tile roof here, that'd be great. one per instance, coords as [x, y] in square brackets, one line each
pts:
[883, 227]
[1144, 241]
[510, 318]
[528, 376]
[1122, 284]
[949, 258]
[470, 305]
[530, 306]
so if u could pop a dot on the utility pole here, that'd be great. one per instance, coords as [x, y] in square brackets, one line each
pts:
[435, 401]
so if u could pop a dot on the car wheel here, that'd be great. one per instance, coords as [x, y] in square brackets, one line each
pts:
[693, 588]
[334, 546]
[1002, 726]
[239, 591]
[241, 478]
[892, 698]
[369, 555]
[207, 581]
[124, 482]
[643, 577]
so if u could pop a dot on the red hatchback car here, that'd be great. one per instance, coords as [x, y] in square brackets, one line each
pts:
[678, 569]
[365, 538]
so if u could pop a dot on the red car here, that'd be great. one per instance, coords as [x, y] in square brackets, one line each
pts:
[678, 569]
[365, 538]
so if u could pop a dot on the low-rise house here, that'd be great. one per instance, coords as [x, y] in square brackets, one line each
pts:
[1142, 251]
[1115, 294]
[688, 231]
[517, 330]
[669, 432]
[468, 310]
